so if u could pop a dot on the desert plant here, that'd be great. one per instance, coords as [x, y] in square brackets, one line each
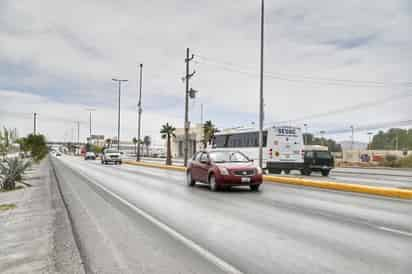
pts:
[391, 160]
[11, 171]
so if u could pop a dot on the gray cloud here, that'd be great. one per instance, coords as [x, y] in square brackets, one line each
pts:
[69, 51]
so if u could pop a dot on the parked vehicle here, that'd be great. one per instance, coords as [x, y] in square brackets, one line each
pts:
[90, 156]
[111, 156]
[282, 146]
[220, 169]
[317, 160]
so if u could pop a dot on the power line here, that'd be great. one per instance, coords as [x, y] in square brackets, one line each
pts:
[347, 108]
[48, 118]
[301, 78]
[369, 127]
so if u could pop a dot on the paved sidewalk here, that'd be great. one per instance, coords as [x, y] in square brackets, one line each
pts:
[36, 236]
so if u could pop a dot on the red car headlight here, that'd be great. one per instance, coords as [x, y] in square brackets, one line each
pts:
[223, 171]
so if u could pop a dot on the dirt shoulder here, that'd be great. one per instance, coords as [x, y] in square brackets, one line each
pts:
[36, 235]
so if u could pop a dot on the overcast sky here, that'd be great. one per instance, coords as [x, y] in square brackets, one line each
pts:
[57, 58]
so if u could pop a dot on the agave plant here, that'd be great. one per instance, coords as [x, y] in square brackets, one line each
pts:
[11, 171]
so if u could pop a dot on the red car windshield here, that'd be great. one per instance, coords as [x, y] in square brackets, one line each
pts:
[227, 156]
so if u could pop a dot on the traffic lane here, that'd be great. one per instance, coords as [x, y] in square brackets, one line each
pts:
[262, 237]
[114, 239]
[366, 209]
[355, 178]
[378, 171]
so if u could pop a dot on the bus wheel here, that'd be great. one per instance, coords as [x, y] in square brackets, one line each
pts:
[287, 171]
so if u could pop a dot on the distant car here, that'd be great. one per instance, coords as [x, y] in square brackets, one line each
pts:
[90, 156]
[58, 154]
[222, 169]
[111, 156]
[319, 161]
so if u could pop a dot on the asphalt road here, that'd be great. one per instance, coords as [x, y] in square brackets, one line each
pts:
[132, 219]
[383, 177]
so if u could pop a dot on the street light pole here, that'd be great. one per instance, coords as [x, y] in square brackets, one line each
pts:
[370, 140]
[353, 137]
[139, 119]
[90, 122]
[262, 22]
[305, 140]
[118, 113]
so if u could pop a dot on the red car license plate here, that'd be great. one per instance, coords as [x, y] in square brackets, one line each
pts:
[245, 180]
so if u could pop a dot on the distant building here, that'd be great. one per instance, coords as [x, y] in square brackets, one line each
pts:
[97, 140]
[195, 141]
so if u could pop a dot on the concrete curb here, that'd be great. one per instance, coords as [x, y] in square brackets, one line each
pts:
[380, 191]
[155, 165]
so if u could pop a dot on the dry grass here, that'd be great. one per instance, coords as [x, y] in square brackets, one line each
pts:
[17, 188]
[5, 207]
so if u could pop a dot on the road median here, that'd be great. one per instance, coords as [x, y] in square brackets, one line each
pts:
[348, 187]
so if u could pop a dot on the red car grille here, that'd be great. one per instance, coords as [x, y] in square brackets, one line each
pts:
[249, 172]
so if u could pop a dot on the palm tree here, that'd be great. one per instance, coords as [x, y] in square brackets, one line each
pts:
[134, 140]
[147, 141]
[11, 171]
[108, 142]
[167, 131]
[209, 131]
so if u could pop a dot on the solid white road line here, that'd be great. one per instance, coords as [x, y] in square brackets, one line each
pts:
[226, 267]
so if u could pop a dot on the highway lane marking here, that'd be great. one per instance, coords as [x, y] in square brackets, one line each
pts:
[223, 265]
[395, 231]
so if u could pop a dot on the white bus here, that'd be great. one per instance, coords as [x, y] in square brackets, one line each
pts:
[282, 146]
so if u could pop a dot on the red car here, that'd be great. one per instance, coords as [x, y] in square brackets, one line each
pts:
[223, 169]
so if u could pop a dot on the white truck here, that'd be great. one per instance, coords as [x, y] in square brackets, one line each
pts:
[111, 156]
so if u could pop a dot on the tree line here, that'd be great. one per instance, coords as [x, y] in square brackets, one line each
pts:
[392, 139]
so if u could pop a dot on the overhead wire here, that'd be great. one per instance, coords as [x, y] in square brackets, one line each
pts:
[300, 78]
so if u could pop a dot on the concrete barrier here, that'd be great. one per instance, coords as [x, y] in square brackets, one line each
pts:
[381, 191]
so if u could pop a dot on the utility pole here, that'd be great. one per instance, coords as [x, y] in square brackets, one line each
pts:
[201, 114]
[78, 132]
[90, 122]
[118, 112]
[370, 140]
[353, 137]
[35, 124]
[187, 93]
[397, 142]
[305, 140]
[139, 110]
[262, 32]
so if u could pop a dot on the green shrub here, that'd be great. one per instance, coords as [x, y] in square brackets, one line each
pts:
[405, 162]
[391, 160]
